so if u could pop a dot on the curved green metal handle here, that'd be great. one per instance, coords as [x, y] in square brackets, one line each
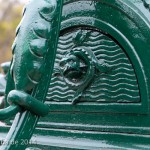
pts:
[34, 52]
[18, 99]
[29, 56]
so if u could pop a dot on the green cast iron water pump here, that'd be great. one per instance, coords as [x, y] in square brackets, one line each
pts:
[84, 65]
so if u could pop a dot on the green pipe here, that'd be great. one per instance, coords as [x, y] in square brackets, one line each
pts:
[28, 102]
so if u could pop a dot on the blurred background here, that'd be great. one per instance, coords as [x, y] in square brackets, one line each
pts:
[10, 16]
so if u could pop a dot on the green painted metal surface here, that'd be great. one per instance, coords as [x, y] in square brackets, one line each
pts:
[98, 96]
[31, 68]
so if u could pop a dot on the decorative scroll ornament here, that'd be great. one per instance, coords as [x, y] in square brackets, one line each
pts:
[78, 68]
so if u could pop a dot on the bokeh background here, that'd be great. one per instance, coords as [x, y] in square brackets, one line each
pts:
[10, 16]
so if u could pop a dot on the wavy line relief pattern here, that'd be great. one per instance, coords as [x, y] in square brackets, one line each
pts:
[119, 85]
